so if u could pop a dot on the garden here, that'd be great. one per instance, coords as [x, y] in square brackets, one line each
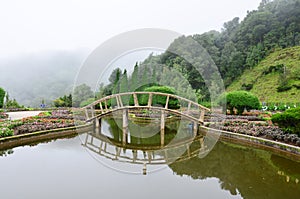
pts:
[44, 121]
[243, 117]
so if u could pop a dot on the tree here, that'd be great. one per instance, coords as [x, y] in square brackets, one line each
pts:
[81, 93]
[239, 100]
[124, 87]
[124, 82]
[134, 78]
[2, 95]
[65, 101]
[116, 76]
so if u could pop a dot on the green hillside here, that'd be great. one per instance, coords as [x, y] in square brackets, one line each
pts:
[274, 79]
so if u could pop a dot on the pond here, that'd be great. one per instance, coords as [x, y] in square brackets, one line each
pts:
[74, 168]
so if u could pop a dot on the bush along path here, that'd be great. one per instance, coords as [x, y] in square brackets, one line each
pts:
[258, 127]
[43, 121]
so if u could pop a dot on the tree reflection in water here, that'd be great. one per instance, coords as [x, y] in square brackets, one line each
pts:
[252, 173]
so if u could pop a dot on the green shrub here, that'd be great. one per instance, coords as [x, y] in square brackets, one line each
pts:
[247, 87]
[289, 120]
[297, 86]
[159, 100]
[87, 102]
[284, 88]
[239, 100]
[65, 101]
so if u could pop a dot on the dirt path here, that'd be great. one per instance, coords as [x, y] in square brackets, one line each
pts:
[22, 114]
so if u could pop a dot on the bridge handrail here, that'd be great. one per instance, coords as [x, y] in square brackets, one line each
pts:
[148, 93]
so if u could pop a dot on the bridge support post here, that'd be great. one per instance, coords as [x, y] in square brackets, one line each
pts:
[97, 125]
[202, 144]
[195, 129]
[201, 119]
[162, 128]
[125, 126]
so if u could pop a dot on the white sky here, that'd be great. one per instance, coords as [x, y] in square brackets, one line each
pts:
[33, 25]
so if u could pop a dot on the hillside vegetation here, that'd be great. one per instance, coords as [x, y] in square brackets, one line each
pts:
[238, 47]
[275, 79]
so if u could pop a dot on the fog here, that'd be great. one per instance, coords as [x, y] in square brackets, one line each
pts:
[45, 75]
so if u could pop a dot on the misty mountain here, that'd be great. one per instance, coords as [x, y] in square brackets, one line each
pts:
[41, 76]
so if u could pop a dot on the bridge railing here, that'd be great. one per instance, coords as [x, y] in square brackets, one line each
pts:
[131, 100]
[107, 147]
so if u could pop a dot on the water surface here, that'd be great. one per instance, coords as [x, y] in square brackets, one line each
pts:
[66, 169]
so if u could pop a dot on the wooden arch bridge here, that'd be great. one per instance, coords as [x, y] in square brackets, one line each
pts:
[133, 100]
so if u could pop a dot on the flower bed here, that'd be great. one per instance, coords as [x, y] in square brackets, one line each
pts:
[258, 129]
[3, 116]
[44, 121]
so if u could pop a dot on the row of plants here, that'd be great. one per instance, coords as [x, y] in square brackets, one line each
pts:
[279, 106]
[263, 130]
[235, 117]
[44, 121]
[289, 120]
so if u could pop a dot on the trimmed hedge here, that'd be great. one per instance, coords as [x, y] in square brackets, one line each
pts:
[239, 100]
[289, 120]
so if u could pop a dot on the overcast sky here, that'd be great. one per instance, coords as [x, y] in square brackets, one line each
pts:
[35, 25]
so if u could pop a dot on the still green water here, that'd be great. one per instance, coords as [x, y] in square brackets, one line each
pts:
[68, 169]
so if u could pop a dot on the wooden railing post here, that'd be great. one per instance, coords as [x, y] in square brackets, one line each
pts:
[150, 100]
[105, 104]
[120, 100]
[117, 100]
[100, 104]
[86, 114]
[93, 109]
[136, 101]
[167, 102]
[189, 106]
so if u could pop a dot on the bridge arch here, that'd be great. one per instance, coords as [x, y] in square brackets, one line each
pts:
[188, 109]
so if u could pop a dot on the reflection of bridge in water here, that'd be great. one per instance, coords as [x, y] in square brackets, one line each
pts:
[162, 105]
[126, 102]
[133, 153]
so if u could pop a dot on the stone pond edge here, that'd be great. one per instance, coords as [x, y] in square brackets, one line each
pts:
[255, 140]
[29, 138]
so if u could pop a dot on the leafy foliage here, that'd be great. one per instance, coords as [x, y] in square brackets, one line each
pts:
[160, 100]
[2, 95]
[274, 79]
[5, 132]
[288, 120]
[239, 100]
[242, 45]
[235, 50]
[81, 93]
[65, 101]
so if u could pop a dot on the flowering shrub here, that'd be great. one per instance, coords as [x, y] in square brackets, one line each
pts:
[3, 115]
[5, 132]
